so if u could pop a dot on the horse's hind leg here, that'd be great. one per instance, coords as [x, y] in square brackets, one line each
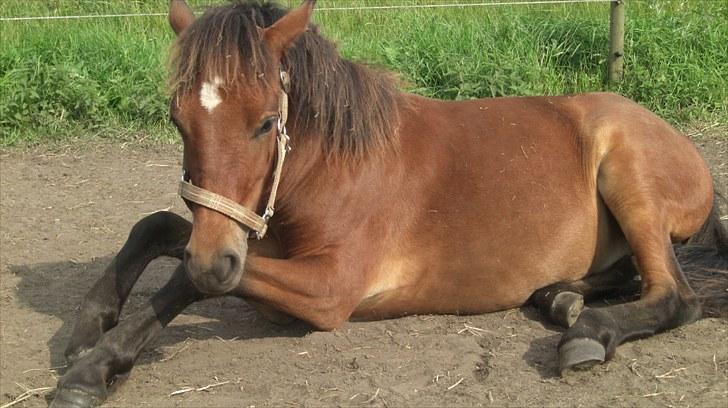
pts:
[86, 383]
[160, 234]
[650, 214]
[563, 302]
[597, 332]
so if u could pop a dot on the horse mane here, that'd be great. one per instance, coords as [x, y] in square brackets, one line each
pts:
[352, 107]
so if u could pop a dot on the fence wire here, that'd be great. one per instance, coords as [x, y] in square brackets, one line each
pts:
[326, 9]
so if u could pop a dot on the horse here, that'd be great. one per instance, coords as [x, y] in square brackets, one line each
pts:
[390, 204]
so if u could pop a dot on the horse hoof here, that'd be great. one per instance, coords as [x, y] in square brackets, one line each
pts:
[566, 308]
[73, 398]
[580, 354]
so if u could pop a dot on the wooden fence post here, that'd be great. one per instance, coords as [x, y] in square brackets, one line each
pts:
[616, 42]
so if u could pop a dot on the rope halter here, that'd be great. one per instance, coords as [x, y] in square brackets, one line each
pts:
[257, 223]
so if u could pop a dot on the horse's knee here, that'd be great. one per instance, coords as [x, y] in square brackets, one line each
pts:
[159, 224]
[330, 316]
[162, 231]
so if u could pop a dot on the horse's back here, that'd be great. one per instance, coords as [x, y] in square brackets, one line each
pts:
[510, 198]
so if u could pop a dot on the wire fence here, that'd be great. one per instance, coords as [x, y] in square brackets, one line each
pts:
[616, 31]
[330, 9]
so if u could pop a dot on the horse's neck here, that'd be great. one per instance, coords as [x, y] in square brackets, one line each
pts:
[320, 192]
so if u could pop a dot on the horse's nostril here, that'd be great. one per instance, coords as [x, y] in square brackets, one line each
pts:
[214, 274]
[229, 263]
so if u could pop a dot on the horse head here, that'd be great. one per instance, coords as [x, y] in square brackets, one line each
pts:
[230, 105]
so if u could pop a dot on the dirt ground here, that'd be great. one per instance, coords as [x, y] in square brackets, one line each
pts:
[65, 210]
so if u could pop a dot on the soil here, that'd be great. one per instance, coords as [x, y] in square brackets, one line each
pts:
[65, 210]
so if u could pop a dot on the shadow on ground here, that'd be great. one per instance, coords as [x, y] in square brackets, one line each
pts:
[57, 289]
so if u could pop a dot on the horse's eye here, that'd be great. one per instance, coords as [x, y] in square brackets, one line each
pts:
[267, 126]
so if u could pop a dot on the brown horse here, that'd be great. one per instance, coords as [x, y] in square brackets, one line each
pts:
[393, 204]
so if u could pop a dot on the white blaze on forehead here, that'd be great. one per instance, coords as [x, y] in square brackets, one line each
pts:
[209, 95]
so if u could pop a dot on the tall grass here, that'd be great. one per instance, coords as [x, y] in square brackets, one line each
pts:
[107, 76]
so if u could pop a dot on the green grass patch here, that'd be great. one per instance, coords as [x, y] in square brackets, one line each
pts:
[62, 78]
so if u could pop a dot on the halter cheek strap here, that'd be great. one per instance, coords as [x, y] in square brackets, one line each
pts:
[257, 223]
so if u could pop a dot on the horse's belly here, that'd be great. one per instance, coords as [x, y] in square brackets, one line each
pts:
[466, 275]
[436, 293]
[408, 287]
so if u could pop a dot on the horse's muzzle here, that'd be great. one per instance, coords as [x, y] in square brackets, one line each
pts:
[217, 274]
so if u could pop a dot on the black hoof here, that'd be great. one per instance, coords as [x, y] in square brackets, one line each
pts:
[73, 398]
[566, 308]
[580, 354]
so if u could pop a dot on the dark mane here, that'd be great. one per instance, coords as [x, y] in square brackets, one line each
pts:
[350, 106]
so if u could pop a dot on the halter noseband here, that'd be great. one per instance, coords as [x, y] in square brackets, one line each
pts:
[257, 223]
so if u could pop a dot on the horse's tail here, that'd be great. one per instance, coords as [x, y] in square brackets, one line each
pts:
[713, 233]
[704, 259]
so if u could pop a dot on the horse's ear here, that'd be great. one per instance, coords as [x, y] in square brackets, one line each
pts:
[180, 15]
[281, 35]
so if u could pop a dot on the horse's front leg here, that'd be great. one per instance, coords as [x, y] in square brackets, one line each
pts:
[160, 234]
[321, 290]
[86, 383]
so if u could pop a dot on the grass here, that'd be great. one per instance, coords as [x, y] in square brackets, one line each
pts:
[106, 77]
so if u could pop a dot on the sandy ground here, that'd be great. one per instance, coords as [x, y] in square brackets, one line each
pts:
[65, 210]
